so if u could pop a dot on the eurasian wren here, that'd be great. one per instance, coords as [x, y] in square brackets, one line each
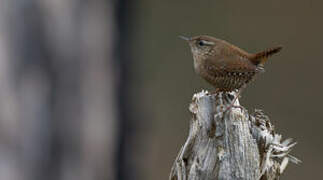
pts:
[224, 65]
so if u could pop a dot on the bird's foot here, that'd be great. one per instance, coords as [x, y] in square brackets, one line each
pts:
[216, 91]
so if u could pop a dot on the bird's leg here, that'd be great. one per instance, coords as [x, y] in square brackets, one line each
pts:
[233, 101]
[235, 98]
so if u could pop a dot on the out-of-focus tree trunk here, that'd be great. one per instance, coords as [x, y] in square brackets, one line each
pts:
[58, 110]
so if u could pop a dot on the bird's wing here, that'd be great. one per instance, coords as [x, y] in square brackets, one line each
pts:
[230, 64]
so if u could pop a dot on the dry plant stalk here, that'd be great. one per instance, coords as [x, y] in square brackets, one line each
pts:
[231, 145]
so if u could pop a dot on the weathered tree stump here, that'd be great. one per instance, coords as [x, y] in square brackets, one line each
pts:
[230, 145]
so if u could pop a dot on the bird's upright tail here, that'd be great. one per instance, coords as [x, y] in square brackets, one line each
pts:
[261, 57]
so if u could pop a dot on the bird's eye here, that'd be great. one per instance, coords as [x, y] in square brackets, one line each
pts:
[201, 43]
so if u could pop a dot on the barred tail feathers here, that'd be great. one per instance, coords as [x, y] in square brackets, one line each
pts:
[261, 57]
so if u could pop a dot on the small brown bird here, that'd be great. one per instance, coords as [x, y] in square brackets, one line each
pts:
[224, 65]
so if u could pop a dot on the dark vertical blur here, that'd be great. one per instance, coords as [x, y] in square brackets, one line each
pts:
[126, 124]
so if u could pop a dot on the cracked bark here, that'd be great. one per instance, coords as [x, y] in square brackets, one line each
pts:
[230, 145]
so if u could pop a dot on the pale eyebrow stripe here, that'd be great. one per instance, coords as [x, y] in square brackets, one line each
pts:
[207, 42]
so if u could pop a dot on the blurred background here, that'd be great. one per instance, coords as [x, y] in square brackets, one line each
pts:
[94, 90]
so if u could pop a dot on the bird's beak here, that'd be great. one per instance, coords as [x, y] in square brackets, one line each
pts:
[185, 38]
